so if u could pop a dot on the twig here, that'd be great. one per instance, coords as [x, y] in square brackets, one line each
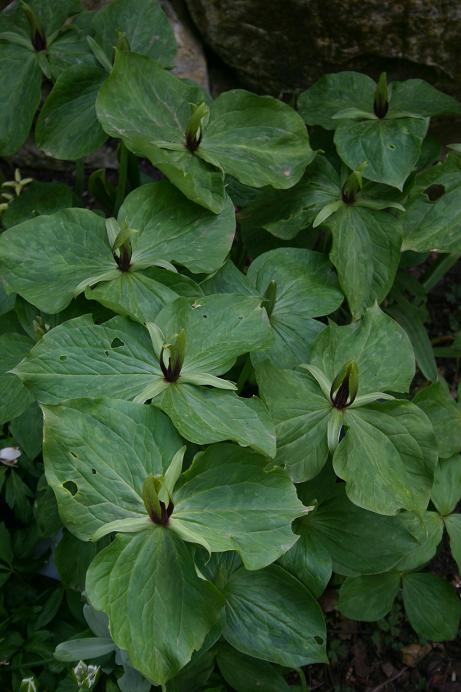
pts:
[387, 682]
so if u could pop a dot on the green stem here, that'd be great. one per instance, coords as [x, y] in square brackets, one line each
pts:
[302, 679]
[79, 176]
[122, 177]
[438, 270]
[244, 375]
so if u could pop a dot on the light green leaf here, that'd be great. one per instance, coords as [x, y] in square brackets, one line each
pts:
[97, 456]
[273, 617]
[149, 109]
[257, 139]
[366, 254]
[446, 491]
[204, 415]
[27, 430]
[84, 649]
[412, 318]
[14, 397]
[390, 146]
[218, 329]
[378, 345]
[20, 86]
[432, 606]
[248, 508]
[445, 416]
[37, 199]
[336, 92]
[368, 598]
[159, 610]
[387, 457]
[453, 526]
[67, 127]
[300, 413]
[246, 674]
[147, 30]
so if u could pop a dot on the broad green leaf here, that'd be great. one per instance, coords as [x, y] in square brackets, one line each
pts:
[218, 329]
[391, 147]
[446, 491]
[52, 16]
[246, 674]
[336, 92]
[366, 254]
[84, 649]
[305, 287]
[14, 397]
[173, 228]
[387, 457]
[70, 47]
[204, 415]
[67, 127]
[422, 98]
[273, 617]
[257, 139]
[159, 609]
[309, 561]
[427, 528]
[7, 301]
[432, 215]
[359, 542]
[300, 413]
[97, 456]
[37, 199]
[432, 606]
[50, 259]
[20, 86]
[412, 318]
[149, 109]
[229, 500]
[147, 30]
[445, 416]
[378, 345]
[453, 526]
[368, 598]
[135, 294]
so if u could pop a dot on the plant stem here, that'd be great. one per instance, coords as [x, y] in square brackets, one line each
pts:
[438, 270]
[80, 177]
[122, 177]
[302, 679]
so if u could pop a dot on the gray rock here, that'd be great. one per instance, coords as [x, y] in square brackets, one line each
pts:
[277, 46]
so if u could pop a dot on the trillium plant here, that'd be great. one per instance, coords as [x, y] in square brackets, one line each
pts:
[208, 400]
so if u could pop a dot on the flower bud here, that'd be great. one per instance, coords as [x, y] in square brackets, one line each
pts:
[197, 122]
[381, 104]
[345, 385]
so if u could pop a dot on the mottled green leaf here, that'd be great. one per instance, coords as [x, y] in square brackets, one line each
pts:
[368, 598]
[445, 416]
[159, 609]
[14, 397]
